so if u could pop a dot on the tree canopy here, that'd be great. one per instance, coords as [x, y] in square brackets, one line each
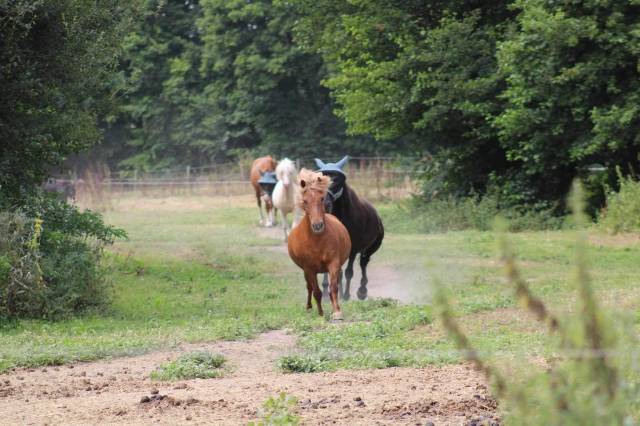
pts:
[515, 97]
[58, 71]
[209, 79]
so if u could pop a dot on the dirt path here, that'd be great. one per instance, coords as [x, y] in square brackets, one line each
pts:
[109, 392]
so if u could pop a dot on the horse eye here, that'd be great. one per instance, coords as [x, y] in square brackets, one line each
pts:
[322, 199]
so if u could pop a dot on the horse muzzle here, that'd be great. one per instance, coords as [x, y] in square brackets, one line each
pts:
[317, 228]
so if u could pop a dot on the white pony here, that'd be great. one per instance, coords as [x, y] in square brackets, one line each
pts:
[284, 194]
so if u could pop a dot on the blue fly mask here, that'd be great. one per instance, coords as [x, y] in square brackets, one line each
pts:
[333, 169]
[267, 182]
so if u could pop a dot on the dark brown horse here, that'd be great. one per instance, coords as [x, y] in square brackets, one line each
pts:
[320, 243]
[359, 217]
[259, 167]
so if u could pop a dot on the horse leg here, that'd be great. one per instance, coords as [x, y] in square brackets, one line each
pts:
[325, 286]
[362, 291]
[309, 291]
[285, 224]
[269, 214]
[259, 200]
[335, 276]
[348, 273]
[317, 293]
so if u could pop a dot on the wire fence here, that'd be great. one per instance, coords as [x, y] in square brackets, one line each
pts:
[374, 177]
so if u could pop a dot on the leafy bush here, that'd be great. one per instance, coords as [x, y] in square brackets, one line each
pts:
[195, 365]
[50, 259]
[622, 213]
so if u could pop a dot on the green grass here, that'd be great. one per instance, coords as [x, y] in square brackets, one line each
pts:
[205, 273]
[194, 365]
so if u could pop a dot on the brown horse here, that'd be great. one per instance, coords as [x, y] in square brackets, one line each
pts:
[258, 168]
[320, 243]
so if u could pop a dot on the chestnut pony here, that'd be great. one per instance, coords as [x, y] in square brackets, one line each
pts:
[320, 243]
[260, 166]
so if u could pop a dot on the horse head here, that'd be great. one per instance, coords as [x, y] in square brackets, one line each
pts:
[338, 180]
[286, 171]
[313, 191]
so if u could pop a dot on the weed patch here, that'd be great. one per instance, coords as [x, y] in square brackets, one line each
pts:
[278, 411]
[195, 365]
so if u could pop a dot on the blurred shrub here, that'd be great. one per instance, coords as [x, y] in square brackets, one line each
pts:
[622, 213]
[50, 259]
[473, 212]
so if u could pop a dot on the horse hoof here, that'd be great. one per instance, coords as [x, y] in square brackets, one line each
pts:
[325, 296]
[336, 316]
[362, 293]
[346, 296]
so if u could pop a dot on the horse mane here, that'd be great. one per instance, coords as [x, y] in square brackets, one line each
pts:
[313, 181]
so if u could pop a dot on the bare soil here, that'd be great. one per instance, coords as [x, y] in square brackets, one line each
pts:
[111, 392]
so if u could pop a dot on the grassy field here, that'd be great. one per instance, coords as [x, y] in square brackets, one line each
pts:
[200, 270]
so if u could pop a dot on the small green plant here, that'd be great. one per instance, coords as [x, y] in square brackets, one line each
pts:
[622, 213]
[586, 383]
[301, 364]
[278, 411]
[194, 365]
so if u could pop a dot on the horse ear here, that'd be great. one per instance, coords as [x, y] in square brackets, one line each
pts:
[319, 163]
[340, 164]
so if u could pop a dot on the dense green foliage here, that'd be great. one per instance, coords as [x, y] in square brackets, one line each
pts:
[58, 63]
[265, 89]
[426, 73]
[518, 98]
[210, 79]
[573, 90]
[50, 260]
[58, 72]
